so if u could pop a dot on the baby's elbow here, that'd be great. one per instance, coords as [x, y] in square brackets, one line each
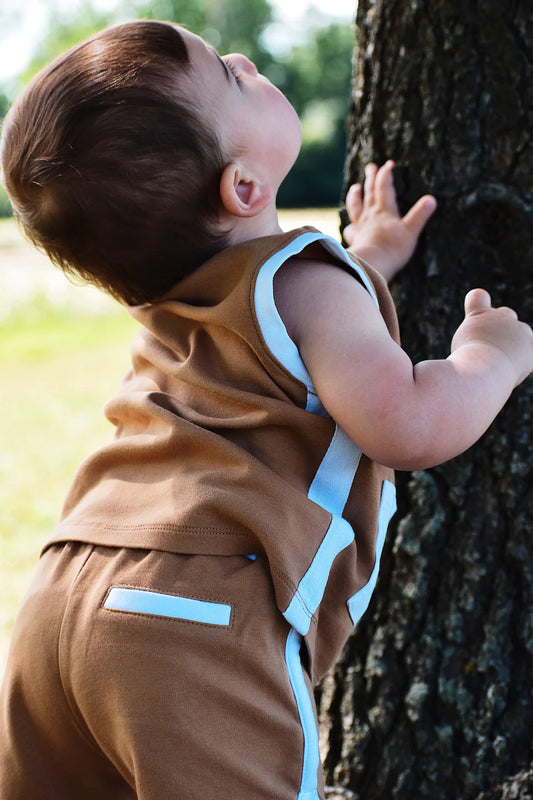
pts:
[406, 445]
[412, 462]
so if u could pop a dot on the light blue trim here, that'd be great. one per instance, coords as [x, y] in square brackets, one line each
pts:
[307, 597]
[142, 601]
[311, 759]
[358, 603]
[336, 249]
[272, 327]
[333, 480]
[330, 489]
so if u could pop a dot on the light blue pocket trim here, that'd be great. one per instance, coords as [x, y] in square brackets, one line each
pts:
[311, 759]
[358, 603]
[142, 601]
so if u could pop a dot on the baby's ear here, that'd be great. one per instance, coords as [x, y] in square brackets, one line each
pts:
[243, 195]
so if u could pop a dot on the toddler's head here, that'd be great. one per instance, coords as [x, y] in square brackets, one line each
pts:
[114, 156]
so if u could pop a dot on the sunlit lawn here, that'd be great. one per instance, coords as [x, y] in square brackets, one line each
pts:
[56, 372]
[62, 354]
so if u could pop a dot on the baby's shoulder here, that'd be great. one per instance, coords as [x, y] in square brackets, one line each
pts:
[309, 288]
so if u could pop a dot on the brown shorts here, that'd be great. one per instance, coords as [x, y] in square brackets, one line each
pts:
[137, 674]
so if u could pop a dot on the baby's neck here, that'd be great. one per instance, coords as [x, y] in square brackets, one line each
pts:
[245, 228]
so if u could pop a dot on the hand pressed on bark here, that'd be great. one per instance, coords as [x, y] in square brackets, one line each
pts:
[377, 233]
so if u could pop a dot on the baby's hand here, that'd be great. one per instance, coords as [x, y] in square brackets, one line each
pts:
[498, 328]
[376, 231]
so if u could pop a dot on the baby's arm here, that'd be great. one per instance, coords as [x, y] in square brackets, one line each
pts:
[403, 416]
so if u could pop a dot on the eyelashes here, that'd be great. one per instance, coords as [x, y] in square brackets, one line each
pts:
[234, 72]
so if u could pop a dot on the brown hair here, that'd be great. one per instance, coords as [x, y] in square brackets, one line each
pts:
[111, 173]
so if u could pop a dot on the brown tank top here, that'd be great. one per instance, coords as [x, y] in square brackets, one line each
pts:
[223, 447]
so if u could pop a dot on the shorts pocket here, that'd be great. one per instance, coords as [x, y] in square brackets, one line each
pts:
[158, 604]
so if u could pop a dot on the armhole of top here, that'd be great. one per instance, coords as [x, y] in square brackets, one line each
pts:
[272, 327]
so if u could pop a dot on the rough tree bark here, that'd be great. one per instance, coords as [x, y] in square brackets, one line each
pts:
[434, 695]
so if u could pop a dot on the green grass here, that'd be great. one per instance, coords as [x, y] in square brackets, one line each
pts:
[33, 333]
[57, 371]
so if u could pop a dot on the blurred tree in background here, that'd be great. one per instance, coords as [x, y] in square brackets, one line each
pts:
[317, 81]
[314, 71]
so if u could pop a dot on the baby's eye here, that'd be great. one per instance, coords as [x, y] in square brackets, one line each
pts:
[235, 72]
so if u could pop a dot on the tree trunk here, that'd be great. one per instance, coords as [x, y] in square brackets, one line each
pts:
[434, 695]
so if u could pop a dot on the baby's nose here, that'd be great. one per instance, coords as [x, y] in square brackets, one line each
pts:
[244, 63]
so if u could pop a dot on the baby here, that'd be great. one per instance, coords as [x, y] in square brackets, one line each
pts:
[213, 558]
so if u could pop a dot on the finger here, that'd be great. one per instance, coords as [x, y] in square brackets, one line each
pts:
[384, 187]
[476, 301]
[419, 214]
[370, 182]
[349, 233]
[509, 311]
[354, 201]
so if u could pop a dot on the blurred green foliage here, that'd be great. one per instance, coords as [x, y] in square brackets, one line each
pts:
[314, 72]
[318, 84]
[231, 26]
[64, 31]
[5, 208]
